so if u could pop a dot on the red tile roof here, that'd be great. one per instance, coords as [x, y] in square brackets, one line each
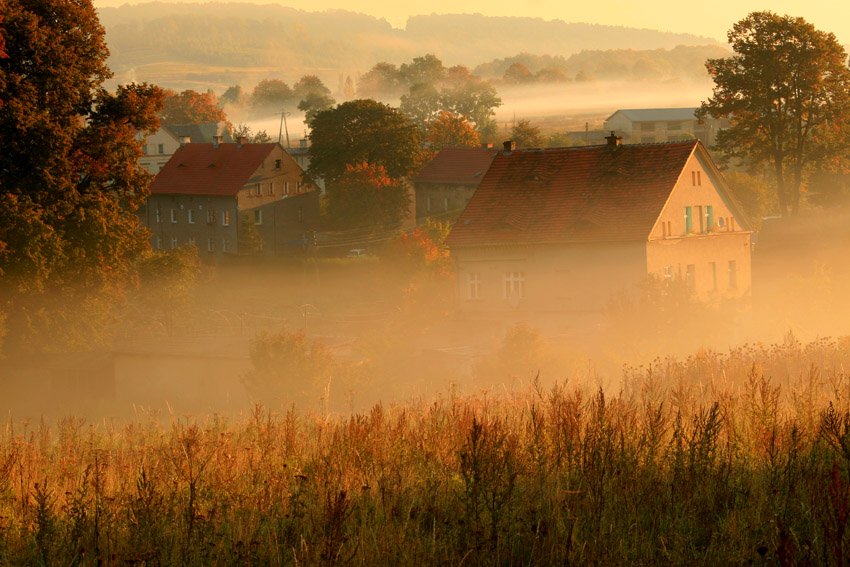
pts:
[583, 194]
[465, 166]
[203, 169]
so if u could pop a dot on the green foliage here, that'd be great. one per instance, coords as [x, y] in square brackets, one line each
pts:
[288, 367]
[365, 196]
[69, 175]
[527, 136]
[190, 107]
[754, 193]
[271, 93]
[314, 103]
[786, 93]
[422, 104]
[362, 131]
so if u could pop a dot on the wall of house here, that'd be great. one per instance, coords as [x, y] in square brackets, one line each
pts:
[709, 245]
[442, 200]
[158, 149]
[287, 224]
[212, 225]
[561, 278]
[716, 265]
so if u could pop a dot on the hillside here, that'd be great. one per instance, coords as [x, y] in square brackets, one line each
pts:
[215, 45]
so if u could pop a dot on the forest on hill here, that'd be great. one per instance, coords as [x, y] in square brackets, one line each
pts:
[217, 45]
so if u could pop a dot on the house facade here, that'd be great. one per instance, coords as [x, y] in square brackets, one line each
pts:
[161, 145]
[446, 184]
[231, 198]
[565, 230]
[653, 125]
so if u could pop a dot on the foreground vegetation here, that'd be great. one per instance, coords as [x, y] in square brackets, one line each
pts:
[713, 460]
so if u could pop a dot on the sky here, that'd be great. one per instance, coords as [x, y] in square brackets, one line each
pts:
[710, 19]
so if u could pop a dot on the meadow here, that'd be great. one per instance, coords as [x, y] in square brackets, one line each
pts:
[733, 458]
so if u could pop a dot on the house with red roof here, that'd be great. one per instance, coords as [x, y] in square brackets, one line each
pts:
[231, 197]
[446, 184]
[566, 229]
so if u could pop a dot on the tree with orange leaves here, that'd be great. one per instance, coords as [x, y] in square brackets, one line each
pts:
[190, 107]
[366, 196]
[449, 129]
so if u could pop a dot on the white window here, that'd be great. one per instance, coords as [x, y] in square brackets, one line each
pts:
[159, 243]
[286, 187]
[158, 217]
[191, 240]
[225, 218]
[161, 149]
[298, 186]
[224, 245]
[258, 190]
[271, 188]
[191, 216]
[514, 285]
[173, 242]
[210, 216]
[473, 285]
[258, 217]
[210, 245]
[668, 272]
[173, 215]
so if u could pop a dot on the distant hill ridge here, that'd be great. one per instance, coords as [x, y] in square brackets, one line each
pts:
[183, 44]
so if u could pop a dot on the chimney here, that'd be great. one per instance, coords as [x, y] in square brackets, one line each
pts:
[302, 143]
[185, 140]
[510, 146]
[217, 141]
[613, 140]
[241, 141]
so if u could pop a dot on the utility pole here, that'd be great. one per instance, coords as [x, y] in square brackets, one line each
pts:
[283, 115]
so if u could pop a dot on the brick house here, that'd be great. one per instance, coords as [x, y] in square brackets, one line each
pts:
[565, 229]
[446, 184]
[229, 198]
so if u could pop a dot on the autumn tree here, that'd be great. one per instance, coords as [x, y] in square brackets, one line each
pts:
[309, 84]
[785, 93]
[425, 70]
[450, 130]
[518, 74]
[69, 177]
[476, 100]
[233, 95]
[314, 103]
[381, 81]
[366, 196]
[271, 93]
[527, 136]
[422, 104]
[361, 131]
[190, 107]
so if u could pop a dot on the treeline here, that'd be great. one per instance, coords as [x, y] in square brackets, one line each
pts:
[681, 62]
[238, 36]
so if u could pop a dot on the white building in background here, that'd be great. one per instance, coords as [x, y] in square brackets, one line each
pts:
[649, 125]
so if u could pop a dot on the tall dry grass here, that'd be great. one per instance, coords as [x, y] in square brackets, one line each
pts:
[739, 458]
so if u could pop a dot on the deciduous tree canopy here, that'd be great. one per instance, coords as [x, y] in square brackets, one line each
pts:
[69, 178]
[785, 92]
[364, 195]
[451, 130]
[190, 107]
[361, 131]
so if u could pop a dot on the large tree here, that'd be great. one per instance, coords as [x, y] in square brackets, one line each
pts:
[69, 177]
[785, 93]
[365, 196]
[361, 131]
[450, 130]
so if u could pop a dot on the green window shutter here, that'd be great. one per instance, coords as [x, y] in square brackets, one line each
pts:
[689, 220]
[709, 218]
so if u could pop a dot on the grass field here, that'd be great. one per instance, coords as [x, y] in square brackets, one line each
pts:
[734, 459]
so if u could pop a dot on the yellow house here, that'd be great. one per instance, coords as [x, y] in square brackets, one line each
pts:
[565, 229]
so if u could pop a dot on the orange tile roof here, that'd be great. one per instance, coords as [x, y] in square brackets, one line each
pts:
[583, 194]
[203, 169]
[465, 166]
